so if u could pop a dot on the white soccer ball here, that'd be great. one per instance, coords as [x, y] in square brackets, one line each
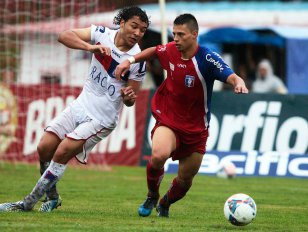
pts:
[240, 209]
[226, 170]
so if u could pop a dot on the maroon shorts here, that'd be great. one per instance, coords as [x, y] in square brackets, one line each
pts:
[186, 144]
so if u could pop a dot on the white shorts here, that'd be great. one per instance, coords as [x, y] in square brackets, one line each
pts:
[75, 124]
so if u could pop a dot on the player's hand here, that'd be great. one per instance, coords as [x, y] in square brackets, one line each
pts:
[99, 48]
[122, 69]
[128, 93]
[241, 88]
[237, 83]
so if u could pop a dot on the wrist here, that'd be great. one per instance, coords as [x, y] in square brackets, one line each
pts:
[128, 102]
[131, 59]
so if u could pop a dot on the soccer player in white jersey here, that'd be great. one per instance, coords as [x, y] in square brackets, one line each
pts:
[95, 113]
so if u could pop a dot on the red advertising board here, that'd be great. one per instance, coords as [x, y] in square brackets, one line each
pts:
[26, 110]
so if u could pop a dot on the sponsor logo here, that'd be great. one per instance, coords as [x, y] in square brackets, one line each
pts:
[8, 118]
[252, 163]
[116, 54]
[102, 80]
[218, 65]
[259, 130]
[181, 65]
[162, 48]
[189, 81]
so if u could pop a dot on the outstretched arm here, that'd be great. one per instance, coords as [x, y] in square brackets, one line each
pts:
[146, 54]
[237, 83]
[79, 39]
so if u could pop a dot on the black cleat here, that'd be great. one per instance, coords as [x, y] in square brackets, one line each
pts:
[162, 211]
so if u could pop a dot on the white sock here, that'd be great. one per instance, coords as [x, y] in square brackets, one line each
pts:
[49, 178]
[57, 169]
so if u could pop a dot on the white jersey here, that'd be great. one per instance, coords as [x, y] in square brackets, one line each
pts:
[101, 95]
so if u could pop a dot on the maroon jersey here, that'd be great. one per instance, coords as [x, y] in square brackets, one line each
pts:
[183, 100]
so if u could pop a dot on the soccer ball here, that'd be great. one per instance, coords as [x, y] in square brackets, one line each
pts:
[240, 209]
[226, 170]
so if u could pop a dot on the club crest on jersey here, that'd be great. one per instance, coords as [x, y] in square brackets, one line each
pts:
[100, 28]
[189, 81]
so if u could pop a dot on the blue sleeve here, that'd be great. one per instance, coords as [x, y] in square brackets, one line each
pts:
[212, 65]
[217, 67]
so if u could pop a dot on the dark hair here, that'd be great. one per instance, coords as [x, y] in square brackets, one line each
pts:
[187, 19]
[128, 13]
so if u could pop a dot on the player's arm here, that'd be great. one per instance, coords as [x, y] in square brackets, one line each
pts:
[147, 54]
[79, 39]
[237, 83]
[129, 93]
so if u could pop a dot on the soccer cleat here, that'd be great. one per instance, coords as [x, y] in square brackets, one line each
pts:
[162, 211]
[50, 205]
[12, 207]
[146, 208]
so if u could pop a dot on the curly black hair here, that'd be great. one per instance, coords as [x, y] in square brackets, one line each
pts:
[129, 12]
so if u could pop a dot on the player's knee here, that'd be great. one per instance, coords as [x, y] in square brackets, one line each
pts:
[43, 151]
[61, 155]
[62, 151]
[65, 153]
[158, 158]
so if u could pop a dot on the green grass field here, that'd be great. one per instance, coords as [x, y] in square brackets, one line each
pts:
[95, 200]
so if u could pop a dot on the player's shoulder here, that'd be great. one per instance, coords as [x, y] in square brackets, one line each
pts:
[205, 53]
[134, 50]
[103, 34]
[171, 46]
[100, 29]
[164, 47]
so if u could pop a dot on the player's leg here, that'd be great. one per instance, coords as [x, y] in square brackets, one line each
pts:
[163, 143]
[188, 168]
[46, 149]
[55, 132]
[67, 149]
[89, 134]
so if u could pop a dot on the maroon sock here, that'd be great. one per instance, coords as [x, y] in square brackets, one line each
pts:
[154, 178]
[175, 193]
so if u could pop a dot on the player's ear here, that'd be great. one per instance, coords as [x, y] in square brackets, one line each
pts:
[195, 34]
[122, 22]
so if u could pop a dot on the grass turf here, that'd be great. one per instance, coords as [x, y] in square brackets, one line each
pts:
[95, 200]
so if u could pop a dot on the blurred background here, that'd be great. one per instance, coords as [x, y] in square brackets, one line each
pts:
[265, 133]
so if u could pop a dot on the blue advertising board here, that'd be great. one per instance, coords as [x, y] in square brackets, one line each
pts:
[252, 163]
[262, 134]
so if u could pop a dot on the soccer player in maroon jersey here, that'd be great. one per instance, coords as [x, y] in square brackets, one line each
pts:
[182, 108]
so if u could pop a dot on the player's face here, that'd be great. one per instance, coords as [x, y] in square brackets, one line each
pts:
[183, 37]
[133, 30]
